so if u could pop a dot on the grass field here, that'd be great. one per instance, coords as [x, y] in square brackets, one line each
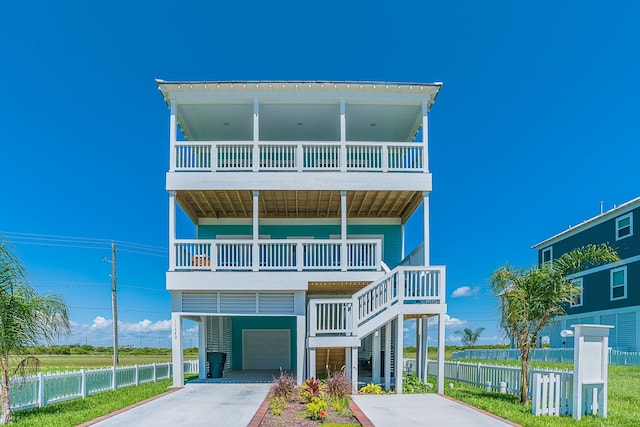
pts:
[624, 389]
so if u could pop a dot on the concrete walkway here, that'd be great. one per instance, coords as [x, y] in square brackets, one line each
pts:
[231, 405]
[422, 410]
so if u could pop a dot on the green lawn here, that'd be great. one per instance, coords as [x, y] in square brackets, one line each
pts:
[624, 389]
[79, 411]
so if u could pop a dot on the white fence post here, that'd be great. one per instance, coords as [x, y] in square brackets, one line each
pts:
[113, 378]
[41, 388]
[83, 385]
[137, 375]
[155, 373]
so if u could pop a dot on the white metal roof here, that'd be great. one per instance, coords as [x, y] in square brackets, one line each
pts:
[598, 219]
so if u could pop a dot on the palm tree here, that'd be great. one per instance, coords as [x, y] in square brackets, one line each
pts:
[469, 337]
[531, 299]
[26, 319]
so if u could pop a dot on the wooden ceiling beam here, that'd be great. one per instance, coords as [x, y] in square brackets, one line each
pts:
[222, 209]
[206, 200]
[373, 203]
[226, 194]
[263, 197]
[244, 209]
[364, 200]
[202, 212]
[186, 207]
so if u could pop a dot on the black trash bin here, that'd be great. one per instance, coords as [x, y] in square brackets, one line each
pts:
[216, 363]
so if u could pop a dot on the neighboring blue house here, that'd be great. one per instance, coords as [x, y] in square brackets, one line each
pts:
[299, 193]
[608, 294]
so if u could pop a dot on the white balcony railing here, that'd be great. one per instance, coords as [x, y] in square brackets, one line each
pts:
[403, 285]
[221, 156]
[277, 254]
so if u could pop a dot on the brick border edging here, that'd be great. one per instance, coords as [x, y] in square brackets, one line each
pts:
[127, 408]
[264, 407]
[360, 416]
[480, 410]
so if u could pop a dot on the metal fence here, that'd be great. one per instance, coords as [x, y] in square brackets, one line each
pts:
[561, 355]
[45, 389]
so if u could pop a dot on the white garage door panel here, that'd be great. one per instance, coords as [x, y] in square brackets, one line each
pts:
[266, 349]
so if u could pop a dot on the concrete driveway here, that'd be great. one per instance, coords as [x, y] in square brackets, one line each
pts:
[196, 405]
[422, 410]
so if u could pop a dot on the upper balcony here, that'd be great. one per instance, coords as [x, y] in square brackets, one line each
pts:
[298, 126]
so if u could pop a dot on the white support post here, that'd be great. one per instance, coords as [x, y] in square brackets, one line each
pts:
[202, 348]
[375, 358]
[419, 356]
[176, 350]
[424, 350]
[343, 136]
[387, 356]
[256, 135]
[441, 324]
[300, 345]
[343, 231]
[83, 383]
[399, 352]
[402, 249]
[312, 363]
[347, 362]
[256, 232]
[172, 230]
[425, 237]
[354, 370]
[114, 381]
[173, 131]
[425, 136]
[137, 375]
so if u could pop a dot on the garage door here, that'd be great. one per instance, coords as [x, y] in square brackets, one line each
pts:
[266, 349]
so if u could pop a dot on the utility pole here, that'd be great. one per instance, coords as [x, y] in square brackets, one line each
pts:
[114, 302]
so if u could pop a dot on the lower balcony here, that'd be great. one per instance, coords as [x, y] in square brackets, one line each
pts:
[276, 255]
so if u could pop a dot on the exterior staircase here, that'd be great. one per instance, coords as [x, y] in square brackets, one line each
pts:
[405, 290]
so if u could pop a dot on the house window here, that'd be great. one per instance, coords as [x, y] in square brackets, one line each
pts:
[547, 255]
[618, 283]
[576, 294]
[624, 226]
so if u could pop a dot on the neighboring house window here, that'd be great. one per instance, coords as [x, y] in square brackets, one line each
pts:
[547, 255]
[624, 226]
[618, 283]
[576, 295]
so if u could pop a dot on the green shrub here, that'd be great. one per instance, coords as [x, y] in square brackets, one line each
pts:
[372, 388]
[413, 385]
[316, 409]
[277, 404]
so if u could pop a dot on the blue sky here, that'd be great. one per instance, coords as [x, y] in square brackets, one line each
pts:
[535, 125]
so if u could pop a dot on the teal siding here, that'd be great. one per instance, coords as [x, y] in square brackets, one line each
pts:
[597, 291]
[260, 322]
[392, 234]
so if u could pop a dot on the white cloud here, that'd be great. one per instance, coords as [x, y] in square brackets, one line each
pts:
[101, 323]
[145, 326]
[465, 291]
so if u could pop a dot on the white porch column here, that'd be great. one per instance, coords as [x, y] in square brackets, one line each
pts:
[424, 347]
[343, 231]
[402, 250]
[425, 135]
[256, 135]
[202, 347]
[173, 131]
[387, 356]
[312, 363]
[375, 358]
[256, 231]
[425, 237]
[172, 230]
[354, 370]
[176, 349]
[399, 352]
[441, 324]
[300, 346]
[419, 334]
[343, 136]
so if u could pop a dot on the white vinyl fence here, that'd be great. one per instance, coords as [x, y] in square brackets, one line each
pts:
[551, 389]
[561, 355]
[45, 389]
